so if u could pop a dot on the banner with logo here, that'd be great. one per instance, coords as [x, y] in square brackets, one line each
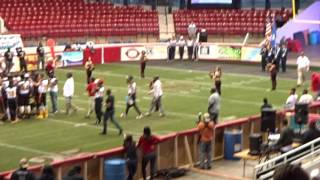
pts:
[153, 52]
[220, 52]
[11, 41]
[72, 58]
[250, 54]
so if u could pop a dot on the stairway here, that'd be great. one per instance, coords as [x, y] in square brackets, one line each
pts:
[166, 25]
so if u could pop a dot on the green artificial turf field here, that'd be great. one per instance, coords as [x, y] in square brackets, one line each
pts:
[185, 94]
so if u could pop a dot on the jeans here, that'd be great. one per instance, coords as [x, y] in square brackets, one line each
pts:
[156, 102]
[205, 154]
[54, 101]
[152, 157]
[107, 115]
[97, 108]
[132, 168]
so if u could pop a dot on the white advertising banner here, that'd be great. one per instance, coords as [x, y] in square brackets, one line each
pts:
[11, 41]
[133, 53]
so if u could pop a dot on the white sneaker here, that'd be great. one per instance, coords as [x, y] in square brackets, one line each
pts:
[139, 117]
[122, 115]
[147, 114]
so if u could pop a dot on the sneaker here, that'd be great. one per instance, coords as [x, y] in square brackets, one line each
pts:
[15, 121]
[103, 133]
[139, 117]
[122, 115]
[55, 112]
[147, 114]
[161, 115]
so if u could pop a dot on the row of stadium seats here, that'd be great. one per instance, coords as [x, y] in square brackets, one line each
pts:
[61, 20]
[226, 21]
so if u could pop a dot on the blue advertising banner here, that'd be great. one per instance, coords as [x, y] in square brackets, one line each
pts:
[72, 58]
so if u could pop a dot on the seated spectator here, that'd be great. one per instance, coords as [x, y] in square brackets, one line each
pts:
[305, 98]
[291, 100]
[47, 173]
[290, 172]
[265, 104]
[74, 174]
[311, 133]
[286, 135]
[23, 172]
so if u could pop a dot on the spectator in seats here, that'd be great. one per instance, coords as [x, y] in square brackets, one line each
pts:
[47, 173]
[311, 133]
[130, 153]
[286, 135]
[8, 56]
[109, 113]
[68, 93]
[147, 143]
[303, 65]
[172, 49]
[283, 57]
[292, 99]
[91, 89]
[264, 54]
[143, 63]
[205, 129]
[216, 76]
[22, 59]
[41, 56]
[74, 174]
[23, 172]
[265, 104]
[157, 97]
[290, 172]
[190, 46]
[181, 43]
[305, 98]
[214, 105]
[192, 30]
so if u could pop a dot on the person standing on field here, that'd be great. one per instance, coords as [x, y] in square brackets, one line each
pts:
[143, 63]
[68, 93]
[303, 65]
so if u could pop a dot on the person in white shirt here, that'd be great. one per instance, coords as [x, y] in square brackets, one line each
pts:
[98, 100]
[172, 49]
[305, 98]
[24, 91]
[68, 92]
[291, 100]
[11, 93]
[157, 95]
[303, 64]
[192, 30]
[53, 90]
[43, 88]
[181, 43]
[131, 98]
[190, 43]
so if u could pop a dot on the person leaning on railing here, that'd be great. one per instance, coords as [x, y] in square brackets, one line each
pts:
[147, 144]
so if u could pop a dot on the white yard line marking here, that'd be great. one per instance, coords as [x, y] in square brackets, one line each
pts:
[26, 149]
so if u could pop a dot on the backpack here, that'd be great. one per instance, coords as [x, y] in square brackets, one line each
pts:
[171, 173]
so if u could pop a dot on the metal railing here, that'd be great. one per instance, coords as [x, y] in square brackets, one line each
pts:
[266, 170]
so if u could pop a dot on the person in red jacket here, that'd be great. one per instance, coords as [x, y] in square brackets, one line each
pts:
[91, 89]
[147, 143]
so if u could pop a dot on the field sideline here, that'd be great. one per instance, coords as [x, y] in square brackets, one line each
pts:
[185, 94]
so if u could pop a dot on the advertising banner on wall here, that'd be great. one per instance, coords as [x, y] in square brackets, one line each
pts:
[11, 41]
[154, 52]
[72, 58]
[250, 54]
[220, 52]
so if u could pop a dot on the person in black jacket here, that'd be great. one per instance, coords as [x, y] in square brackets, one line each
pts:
[41, 56]
[23, 172]
[283, 57]
[130, 152]
[264, 54]
[74, 174]
[286, 135]
[310, 134]
[47, 173]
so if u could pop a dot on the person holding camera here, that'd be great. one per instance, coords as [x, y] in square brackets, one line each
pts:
[205, 128]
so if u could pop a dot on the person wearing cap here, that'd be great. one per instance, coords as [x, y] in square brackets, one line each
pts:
[89, 69]
[214, 105]
[23, 172]
[131, 98]
[143, 63]
[109, 113]
[181, 43]
[68, 93]
[41, 56]
[22, 59]
[205, 128]
[98, 100]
